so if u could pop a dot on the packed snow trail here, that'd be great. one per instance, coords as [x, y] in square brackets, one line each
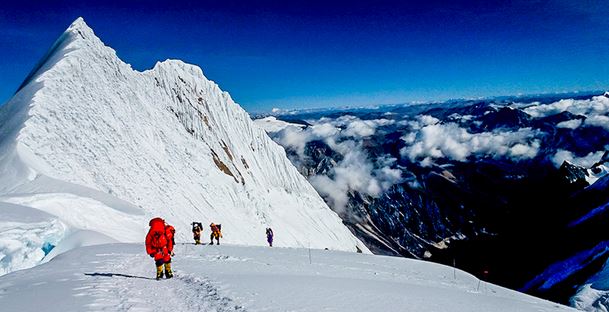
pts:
[119, 277]
[139, 291]
[112, 277]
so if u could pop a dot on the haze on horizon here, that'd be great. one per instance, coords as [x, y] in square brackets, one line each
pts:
[305, 54]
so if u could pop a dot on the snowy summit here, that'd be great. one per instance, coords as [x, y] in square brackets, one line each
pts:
[93, 149]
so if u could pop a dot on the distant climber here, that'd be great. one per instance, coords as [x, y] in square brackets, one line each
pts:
[269, 236]
[197, 227]
[159, 245]
[215, 233]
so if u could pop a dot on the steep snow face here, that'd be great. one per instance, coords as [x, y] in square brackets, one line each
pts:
[88, 135]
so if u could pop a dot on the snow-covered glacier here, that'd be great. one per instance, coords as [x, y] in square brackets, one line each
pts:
[90, 149]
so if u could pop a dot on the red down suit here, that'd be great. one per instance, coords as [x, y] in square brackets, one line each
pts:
[159, 240]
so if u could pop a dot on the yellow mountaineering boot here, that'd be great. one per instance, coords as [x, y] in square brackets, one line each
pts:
[168, 272]
[159, 272]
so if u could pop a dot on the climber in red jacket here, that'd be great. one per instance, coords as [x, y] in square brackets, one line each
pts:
[159, 245]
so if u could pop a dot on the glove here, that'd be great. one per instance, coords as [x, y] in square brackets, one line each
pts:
[172, 254]
[151, 255]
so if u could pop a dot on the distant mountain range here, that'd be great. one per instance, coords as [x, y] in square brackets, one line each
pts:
[542, 98]
[494, 186]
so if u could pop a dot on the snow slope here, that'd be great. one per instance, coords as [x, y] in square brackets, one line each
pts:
[118, 277]
[101, 148]
[272, 124]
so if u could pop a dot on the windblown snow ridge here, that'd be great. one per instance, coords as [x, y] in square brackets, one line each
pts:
[164, 142]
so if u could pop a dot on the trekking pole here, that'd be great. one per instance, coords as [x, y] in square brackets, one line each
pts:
[310, 253]
[478, 288]
[485, 276]
[454, 268]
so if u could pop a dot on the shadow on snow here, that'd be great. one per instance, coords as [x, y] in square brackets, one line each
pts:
[117, 274]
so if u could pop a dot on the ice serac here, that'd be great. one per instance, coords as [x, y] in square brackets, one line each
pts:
[90, 140]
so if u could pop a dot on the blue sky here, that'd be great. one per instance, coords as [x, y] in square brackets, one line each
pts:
[303, 54]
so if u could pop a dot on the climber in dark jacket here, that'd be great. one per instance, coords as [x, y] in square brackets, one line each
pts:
[269, 236]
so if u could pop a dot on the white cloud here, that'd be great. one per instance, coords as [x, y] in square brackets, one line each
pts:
[360, 128]
[294, 138]
[342, 120]
[427, 120]
[324, 130]
[388, 177]
[544, 110]
[524, 151]
[561, 156]
[383, 122]
[355, 172]
[599, 121]
[335, 193]
[595, 110]
[356, 127]
[570, 124]
[597, 105]
[409, 138]
[453, 142]
[586, 161]
[420, 122]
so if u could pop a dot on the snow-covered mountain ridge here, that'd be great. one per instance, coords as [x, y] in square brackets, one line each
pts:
[101, 147]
